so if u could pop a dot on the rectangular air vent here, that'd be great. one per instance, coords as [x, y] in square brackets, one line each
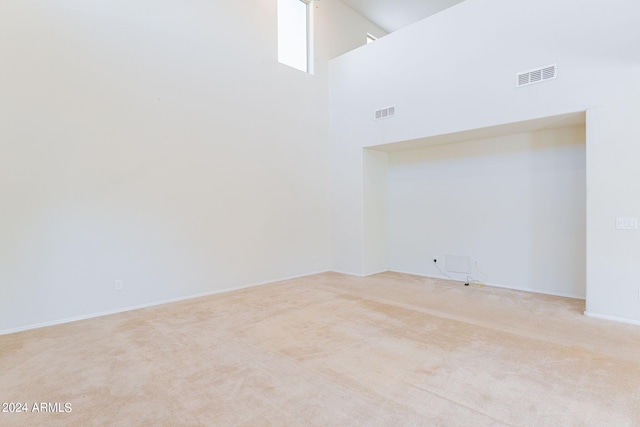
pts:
[385, 113]
[458, 264]
[538, 75]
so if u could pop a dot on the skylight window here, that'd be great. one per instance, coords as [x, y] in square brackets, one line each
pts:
[294, 34]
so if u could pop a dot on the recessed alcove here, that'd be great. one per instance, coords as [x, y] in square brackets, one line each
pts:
[511, 197]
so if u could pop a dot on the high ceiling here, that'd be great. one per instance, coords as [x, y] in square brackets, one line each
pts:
[391, 15]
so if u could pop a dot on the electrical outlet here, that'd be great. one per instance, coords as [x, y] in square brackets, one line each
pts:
[119, 285]
[476, 264]
[627, 223]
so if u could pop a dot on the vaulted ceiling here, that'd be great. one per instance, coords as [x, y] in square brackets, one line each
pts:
[391, 15]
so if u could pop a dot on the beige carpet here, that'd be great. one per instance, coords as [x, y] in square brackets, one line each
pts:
[333, 350]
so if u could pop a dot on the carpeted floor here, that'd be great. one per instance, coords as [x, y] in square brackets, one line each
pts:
[332, 350]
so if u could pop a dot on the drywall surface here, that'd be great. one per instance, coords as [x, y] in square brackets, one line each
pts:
[613, 150]
[515, 204]
[454, 72]
[375, 212]
[160, 144]
[342, 29]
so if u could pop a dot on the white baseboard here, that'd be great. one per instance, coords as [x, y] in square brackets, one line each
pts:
[220, 291]
[346, 273]
[539, 291]
[494, 285]
[376, 272]
[613, 318]
[151, 304]
[411, 273]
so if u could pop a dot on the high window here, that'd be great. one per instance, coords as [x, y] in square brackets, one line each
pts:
[294, 41]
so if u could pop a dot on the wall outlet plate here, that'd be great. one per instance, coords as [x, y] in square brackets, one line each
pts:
[627, 223]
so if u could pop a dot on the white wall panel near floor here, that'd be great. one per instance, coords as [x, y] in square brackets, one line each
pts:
[515, 204]
[161, 144]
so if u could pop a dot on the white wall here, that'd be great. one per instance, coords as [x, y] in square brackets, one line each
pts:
[159, 143]
[613, 150]
[375, 220]
[455, 71]
[516, 204]
[342, 29]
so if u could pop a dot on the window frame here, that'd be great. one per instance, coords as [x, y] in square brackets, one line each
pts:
[309, 51]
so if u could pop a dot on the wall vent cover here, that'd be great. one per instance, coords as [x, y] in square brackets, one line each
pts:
[458, 264]
[537, 75]
[385, 113]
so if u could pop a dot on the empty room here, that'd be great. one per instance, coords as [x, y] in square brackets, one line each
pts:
[319, 213]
